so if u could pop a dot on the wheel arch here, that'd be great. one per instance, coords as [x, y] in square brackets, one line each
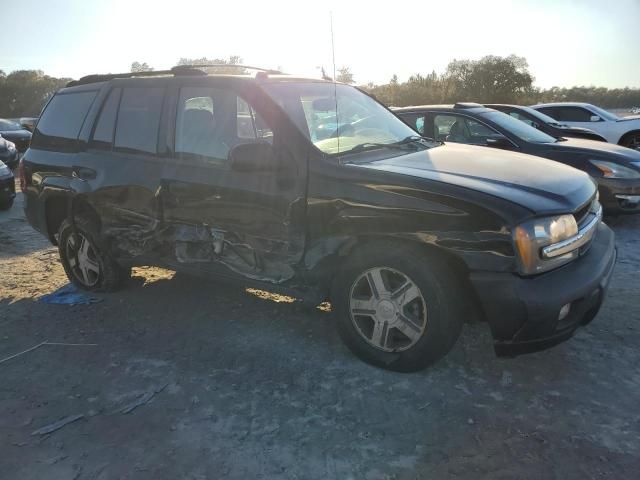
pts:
[627, 135]
[60, 207]
[326, 269]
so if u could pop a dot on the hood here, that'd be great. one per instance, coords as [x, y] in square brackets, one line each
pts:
[15, 134]
[629, 118]
[599, 150]
[540, 185]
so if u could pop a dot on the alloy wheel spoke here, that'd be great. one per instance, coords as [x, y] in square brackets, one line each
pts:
[91, 265]
[376, 282]
[380, 334]
[363, 307]
[406, 294]
[408, 327]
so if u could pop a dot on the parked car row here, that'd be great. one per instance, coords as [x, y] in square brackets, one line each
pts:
[311, 188]
[615, 168]
[14, 141]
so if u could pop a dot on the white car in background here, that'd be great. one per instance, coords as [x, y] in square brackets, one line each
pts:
[621, 130]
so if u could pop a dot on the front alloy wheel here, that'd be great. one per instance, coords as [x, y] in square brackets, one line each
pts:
[388, 309]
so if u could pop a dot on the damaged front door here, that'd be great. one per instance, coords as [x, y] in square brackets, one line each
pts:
[244, 218]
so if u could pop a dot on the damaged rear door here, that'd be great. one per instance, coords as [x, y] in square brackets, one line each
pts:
[247, 220]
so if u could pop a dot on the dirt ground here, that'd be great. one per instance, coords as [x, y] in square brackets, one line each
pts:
[184, 379]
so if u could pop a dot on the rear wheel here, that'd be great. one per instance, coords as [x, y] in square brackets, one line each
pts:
[85, 262]
[397, 307]
[632, 140]
[6, 204]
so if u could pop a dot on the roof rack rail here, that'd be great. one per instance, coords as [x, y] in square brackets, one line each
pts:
[467, 105]
[195, 69]
[99, 77]
[227, 65]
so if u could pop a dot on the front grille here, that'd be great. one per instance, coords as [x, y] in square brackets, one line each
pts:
[582, 214]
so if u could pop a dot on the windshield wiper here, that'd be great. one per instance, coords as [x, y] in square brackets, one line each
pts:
[399, 144]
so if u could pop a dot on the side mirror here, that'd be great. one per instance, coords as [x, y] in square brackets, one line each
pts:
[499, 142]
[253, 157]
[595, 118]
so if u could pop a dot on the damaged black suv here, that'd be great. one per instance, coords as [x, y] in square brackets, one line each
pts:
[315, 189]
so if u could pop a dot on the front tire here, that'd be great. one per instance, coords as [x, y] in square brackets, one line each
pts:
[85, 260]
[398, 308]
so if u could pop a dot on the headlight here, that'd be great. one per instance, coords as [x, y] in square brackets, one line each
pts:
[614, 170]
[4, 170]
[11, 146]
[532, 236]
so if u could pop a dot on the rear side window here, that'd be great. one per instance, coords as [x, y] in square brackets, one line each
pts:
[568, 114]
[139, 119]
[60, 123]
[103, 134]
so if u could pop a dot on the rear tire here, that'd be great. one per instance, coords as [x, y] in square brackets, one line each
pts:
[6, 204]
[398, 308]
[85, 260]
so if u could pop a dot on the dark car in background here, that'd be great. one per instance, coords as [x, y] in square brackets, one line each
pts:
[545, 123]
[615, 168]
[8, 153]
[251, 180]
[15, 133]
[7, 187]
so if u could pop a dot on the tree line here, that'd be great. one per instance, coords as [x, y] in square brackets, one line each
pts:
[491, 79]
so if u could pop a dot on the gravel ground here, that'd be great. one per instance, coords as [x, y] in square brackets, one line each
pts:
[176, 378]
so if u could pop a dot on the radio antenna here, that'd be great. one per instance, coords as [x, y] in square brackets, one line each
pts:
[335, 84]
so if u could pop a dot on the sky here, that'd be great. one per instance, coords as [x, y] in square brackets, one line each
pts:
[566, 42]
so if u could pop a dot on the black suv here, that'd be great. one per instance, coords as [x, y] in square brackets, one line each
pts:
[615, 168]
[315, 189]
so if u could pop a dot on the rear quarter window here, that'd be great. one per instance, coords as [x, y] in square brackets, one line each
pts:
[62, 119]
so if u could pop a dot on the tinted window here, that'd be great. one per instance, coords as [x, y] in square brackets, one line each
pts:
[518, 128]
[211, 121]
[458, 129]
[103, 134]
[61, 121]
[524, 119]
[568, 114]
[414, 120]
[139, 119]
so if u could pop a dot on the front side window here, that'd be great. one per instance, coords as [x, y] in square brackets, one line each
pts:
[459, 129]
[211, 121]
[522, 118]
[139, 119]
[338, 118]
[61, 121]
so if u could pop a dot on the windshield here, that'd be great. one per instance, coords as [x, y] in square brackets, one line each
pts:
[518, 128]
[7, 126]
[358, 121]
[604, 114]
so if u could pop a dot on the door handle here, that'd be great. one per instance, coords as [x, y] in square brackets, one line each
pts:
[83, 173]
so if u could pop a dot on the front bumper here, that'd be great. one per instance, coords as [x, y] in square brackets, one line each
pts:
[524, 312]
[615, 193]
[7, 188]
